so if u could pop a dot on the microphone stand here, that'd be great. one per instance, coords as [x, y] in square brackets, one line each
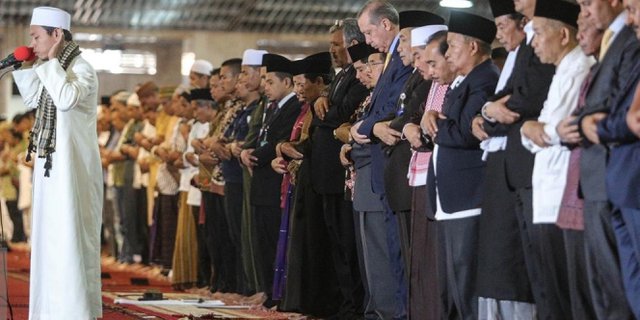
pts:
[3, 240]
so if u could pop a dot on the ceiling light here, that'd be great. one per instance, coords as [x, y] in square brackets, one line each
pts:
[456, 3]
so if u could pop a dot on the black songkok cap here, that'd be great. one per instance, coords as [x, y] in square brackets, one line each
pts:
[297, 67]
[200, 94]
[472, 25]
[502, 7]
[562, 11]
[317, 63]
[277, 63]
[361, 51]
[417, 18]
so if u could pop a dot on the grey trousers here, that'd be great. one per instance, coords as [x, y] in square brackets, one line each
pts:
[378, 277]
[603, 264]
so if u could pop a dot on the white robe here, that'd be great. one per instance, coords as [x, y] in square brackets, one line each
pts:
[67, 206]
[552, 163]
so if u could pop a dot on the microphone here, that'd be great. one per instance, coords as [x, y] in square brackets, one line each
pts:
[19, 55]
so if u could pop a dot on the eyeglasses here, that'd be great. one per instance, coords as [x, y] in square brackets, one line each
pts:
[371, 64]
[338, 23]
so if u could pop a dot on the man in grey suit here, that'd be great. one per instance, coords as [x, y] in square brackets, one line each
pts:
[618, 52]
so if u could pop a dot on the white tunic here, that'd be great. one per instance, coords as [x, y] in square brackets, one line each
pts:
[552, 163]
[67, 206]
[199, 130]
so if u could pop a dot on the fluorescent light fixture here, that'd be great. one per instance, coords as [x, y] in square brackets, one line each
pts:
[456, 3]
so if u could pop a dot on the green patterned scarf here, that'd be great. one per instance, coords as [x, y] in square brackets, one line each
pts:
[44, 128]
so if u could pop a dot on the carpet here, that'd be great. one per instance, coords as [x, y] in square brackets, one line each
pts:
[120, 280]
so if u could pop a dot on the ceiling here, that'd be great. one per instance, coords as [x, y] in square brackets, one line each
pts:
[271, 16]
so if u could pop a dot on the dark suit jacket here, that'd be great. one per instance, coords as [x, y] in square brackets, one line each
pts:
[327, 176]
[460, 169]
[608, 76]
[399, 193]
[528, 86]
[623, 170]
[265, 183]
[383, 106]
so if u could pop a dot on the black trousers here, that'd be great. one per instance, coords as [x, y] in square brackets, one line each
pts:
[545, 259]
[338, 215]
[458, 247]
[18, 226]
[219, 244]
[142, 231]
[233, 210]
[404, 231]
[266, 228]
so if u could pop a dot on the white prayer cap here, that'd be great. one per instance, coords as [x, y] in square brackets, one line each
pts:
[252, 57]
[202, 67]
[419, 36]
[122, 96]
[51, 17]
[133, 100]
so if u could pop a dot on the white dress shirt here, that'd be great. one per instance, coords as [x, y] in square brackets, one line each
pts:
[552, 163]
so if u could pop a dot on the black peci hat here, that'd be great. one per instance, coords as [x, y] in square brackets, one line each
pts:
[418, 18]
[200, 94]
[318, 63]
[559, 10]
[472, 25]
[361, 51]
[502, 7]
[277, 63]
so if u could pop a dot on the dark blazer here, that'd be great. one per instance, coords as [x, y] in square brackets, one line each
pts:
[265, 183]
[383, 106]
[608, 76]
[231, 169]
[528, 86]
[327, 176]
[623, 169]
[460, 169]
[399, 193]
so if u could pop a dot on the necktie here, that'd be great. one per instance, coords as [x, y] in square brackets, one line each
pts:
[269, 113]
[266, 119]
[338, 81]
[386, 61]
[606, 41]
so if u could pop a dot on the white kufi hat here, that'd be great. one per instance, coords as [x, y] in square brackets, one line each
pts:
[252, 57]
[133, 100]
[51, 17]
[419, 36]
[202, 67]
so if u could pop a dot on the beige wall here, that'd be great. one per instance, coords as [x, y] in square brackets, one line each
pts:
[213, 46]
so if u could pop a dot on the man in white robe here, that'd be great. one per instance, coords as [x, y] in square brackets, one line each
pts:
[555, 43]
[67, 195]
[562, 254]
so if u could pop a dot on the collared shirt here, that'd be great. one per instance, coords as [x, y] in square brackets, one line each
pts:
[440, 213]
[528, 30]
[507, 69]
[285, 99]
[457, 81]
[618, 24]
